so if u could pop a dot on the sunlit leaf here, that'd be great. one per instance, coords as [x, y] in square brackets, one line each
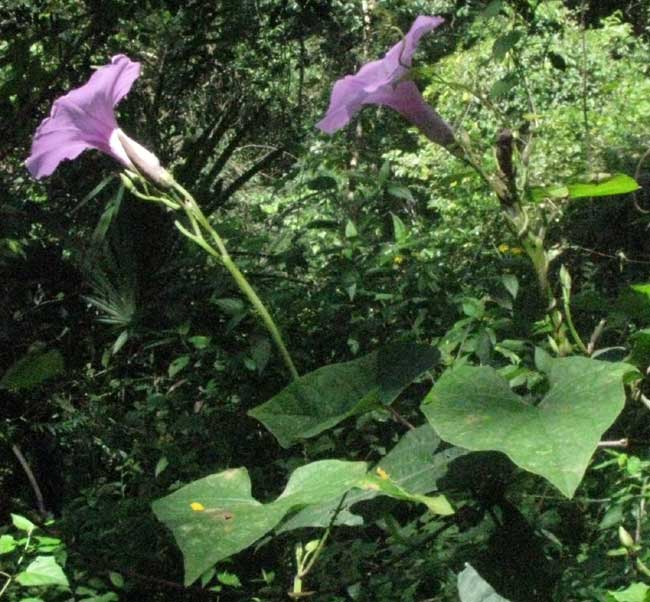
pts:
[475, 408]
[323, 398]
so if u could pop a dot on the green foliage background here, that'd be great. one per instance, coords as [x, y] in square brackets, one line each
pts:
[150, 360]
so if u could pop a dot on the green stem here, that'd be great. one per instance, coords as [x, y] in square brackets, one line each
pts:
[248, 290]
[197, 218]
[9, 579]
[321, 544]
[572, 328]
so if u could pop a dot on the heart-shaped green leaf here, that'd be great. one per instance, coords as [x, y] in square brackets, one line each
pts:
[323, 398]
[215, 517]
[475, 408]
[412, 464]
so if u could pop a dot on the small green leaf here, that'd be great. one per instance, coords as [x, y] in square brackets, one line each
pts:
[200, 342]
[116, 579]
[43, 571]
[20, 522]
[503, 44]
[229, 579]
[637, 592]
[261, 353]
[492, 9]
[120, 341]
[384, 172]
[32, 370]
[400, 192]
[350, 230]
[502, 86]
[161, 465]
[399, 229]
[232, 307]
[177, 365]
[511, 283]
[7, 544]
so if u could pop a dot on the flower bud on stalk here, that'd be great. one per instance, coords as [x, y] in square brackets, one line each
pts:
[625, 538]
[144, 161]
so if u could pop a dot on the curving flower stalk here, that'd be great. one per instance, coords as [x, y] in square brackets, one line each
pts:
[85, 118]
[386, 82]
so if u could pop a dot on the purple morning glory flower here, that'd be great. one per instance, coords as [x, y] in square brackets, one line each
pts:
[84, 118]
[384, 82]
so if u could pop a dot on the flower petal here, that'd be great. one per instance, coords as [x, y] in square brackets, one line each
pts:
[353, 91]
[406, 99]
[83, 118]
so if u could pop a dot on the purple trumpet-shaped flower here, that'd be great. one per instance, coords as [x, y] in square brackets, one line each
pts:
[385, 82]
[84, 118]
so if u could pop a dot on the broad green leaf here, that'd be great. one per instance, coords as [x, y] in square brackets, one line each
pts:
[608, 186]
[475, 408]
[323, 398]
[22, 523]
[413, 464]
[473, 588]
[43, 570]
[216, 517]
[32, 370]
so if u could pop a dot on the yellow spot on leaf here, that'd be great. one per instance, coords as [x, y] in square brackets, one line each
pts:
[197, 506]
[382, 474]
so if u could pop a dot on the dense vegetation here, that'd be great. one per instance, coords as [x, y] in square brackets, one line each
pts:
[460, 411]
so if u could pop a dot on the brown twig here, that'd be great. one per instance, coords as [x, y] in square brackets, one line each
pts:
[31, 478]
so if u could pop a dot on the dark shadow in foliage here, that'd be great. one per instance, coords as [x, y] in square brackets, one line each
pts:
[513, 559]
